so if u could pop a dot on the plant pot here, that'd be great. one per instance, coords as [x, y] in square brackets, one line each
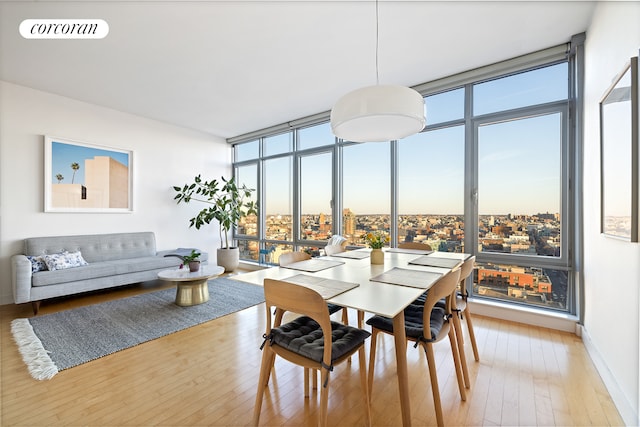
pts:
[377, 256]
[229, 258]
[194, 266]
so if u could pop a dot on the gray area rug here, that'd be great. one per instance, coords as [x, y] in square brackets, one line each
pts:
[57, 341]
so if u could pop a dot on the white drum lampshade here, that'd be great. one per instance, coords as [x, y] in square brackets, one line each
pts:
[378, 113]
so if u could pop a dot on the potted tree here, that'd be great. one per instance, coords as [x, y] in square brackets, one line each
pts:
[227, 202]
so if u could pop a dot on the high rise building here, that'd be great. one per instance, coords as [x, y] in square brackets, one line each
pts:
[349, 221]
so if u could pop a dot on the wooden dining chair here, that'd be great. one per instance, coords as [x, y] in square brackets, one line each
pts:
[291, 257]
[426, 325]
[462, 308]
[414, 245]
[461, 311]
[312, 341]
[335, 244]
[335, 249]
[456, 303]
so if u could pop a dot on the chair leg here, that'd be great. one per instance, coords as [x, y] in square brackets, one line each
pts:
[278, 315]
[372, 359]
[472, 335]
[460, 339]
[365, 386]
[307, 372]
[345, 321]
[324, 396]
[457, 363]
[268, 359]
[345, 316]
[431, 361]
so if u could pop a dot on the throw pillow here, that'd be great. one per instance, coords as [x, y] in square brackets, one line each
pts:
[64, 260]
[37, 263]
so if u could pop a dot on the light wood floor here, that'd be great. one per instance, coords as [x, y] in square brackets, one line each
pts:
[207, 375]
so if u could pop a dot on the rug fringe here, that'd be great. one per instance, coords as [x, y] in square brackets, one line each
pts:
[40, 365]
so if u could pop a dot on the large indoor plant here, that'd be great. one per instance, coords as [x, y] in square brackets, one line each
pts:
[228, 202]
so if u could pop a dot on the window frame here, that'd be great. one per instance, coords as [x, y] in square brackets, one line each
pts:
[559, 107]
[571, 242]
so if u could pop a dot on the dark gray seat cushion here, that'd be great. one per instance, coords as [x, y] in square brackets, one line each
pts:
[422, 298]
[304, 336]
[412, 321]
[334, 308]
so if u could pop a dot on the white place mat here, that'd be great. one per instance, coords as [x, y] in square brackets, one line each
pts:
[313, 265]
[432, 261]
[327, 288]
[352, 254]
[407, 277]
[410, 251]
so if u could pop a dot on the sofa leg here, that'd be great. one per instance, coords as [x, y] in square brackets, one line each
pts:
[35, 305]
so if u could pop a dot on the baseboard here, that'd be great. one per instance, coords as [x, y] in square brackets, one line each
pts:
[527, 315]
[625, 408]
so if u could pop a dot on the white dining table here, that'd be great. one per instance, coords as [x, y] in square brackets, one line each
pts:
[384, 299]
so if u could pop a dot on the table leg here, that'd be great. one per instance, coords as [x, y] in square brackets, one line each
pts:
[401, 362]
[192, 293]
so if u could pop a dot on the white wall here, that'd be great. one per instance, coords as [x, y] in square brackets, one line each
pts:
[611, 267]
[163, 156]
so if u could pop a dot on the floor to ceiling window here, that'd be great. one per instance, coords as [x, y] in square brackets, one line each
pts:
[366, 190]
[489, 175]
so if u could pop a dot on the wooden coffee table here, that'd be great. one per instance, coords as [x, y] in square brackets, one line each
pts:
[192, 288]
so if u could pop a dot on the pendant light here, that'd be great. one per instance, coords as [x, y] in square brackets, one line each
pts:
[378, 113]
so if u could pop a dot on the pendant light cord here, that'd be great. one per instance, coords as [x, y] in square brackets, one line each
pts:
[377, 44]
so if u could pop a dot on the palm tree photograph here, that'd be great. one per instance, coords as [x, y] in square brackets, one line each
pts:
[100, 177]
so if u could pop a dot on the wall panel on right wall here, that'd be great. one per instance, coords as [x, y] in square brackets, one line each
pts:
[611, 266]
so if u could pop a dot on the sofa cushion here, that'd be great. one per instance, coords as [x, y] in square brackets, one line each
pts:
[103, 269]
[64, 260]
[96, 247]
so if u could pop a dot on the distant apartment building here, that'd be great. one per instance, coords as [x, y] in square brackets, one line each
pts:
[349, 222]
[513, 278]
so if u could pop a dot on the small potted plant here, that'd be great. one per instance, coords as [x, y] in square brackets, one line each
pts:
[376, 240]
[192, 260]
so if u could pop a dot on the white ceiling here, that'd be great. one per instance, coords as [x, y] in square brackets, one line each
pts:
[231, 67]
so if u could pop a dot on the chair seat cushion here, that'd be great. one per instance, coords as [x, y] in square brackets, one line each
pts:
[412, 322]
[304, 337]
[334, 308]
[422, 298]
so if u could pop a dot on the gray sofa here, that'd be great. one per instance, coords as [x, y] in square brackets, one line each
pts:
[111, 260]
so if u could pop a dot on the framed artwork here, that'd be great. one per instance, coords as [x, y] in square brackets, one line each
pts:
[619, 156]
[81, 177]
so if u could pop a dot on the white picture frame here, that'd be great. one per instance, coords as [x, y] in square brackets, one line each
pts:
[620, 156]
[89, 178]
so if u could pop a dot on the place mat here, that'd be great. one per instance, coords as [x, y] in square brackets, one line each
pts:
[327, 288]
[410, 251]
[407, 277]
[313, 265]
[431, 261]
[352, 254]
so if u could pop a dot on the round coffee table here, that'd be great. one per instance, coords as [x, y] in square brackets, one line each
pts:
[192, 288]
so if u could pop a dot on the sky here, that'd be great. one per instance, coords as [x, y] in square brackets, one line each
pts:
[65, 153]
[519, 169]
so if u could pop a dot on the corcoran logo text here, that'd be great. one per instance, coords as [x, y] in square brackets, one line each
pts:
[64, 29]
